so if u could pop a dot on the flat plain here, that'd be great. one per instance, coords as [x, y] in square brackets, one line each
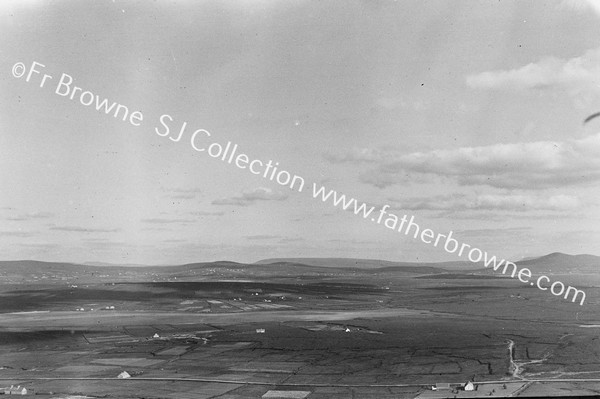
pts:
[288, 329]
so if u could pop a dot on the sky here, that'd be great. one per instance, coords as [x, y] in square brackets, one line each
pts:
[467, 115]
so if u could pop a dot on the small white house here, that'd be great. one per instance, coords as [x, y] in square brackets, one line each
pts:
[469, 386]
[260, 330]
[124, 374]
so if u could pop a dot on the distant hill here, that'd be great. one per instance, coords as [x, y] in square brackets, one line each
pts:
[106, 264]
[29, 266]
[577, 266]
[558, 263]
[370, 263]
[35, 272]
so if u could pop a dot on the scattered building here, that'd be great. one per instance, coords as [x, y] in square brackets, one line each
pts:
[441, 386]
[15, 390]
[260, 330]
[124, 374]
[454, 387]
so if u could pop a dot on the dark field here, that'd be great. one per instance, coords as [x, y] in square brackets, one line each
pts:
[327, 334]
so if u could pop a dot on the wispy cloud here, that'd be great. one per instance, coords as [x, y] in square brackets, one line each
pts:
[262, 237]
[182, 193]
[533, 165]
[582, 5]
[167, 220]
[357, 155]
[206, 213]
[493, 232]
[487, 202]
[29, 216]
[576, 76]
[289, 240]
[40, 246]
[250, 197]
[22, 234]
[78, 229]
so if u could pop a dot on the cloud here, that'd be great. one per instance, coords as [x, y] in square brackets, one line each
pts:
[356, 155]
[182, 196]
[262, 237]
[167, 221]
[187, 190]
[23, 234]
[534, 165]
[206, 213]
[576, 76]
[250, 197]
[289, 240]
[184, 193]
[29, 216]
[582, 5]
[40, 246]
[77, 229]
[488, 202]
[494, 232]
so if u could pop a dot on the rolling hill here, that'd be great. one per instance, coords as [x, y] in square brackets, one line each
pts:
[559, 263]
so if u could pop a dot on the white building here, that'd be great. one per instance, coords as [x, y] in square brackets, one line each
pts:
[124, 374]
[15, 390]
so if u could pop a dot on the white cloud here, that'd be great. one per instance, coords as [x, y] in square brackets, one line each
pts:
[167, 221]
[582, 5]
[24, 217]
[262, 237]
[576, 76]
[79, 229]
[356, 155]
[489, 202]
[249, 197]
[534, 165]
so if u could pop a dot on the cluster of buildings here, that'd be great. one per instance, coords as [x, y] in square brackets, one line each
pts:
[468, 386]
[15, 390]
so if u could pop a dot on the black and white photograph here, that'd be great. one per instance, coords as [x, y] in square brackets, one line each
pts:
[320, 199]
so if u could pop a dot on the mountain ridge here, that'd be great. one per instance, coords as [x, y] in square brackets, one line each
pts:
[555, 262]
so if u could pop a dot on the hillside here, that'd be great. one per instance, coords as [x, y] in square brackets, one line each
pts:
[558, 263]
[370, 263]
